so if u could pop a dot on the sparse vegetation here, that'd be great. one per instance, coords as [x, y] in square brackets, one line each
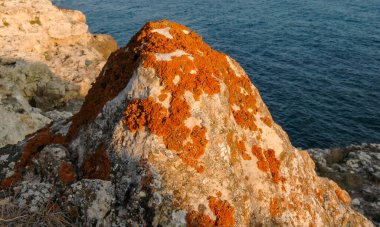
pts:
[13, 215]
[36, 21]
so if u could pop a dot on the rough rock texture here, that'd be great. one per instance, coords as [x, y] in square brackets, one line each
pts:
[48, 60]
[174, 133]
[357, 170]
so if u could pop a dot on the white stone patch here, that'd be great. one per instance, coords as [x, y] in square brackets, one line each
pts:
[166, 102]
[3, 158]
[191, 122]
[270, 138]
[233, 67]
[176, 79]
[163, 31]
[193, 72]
[191, 57]
[250, 110]
[143, 84]
[102, 203]
[169, 56]
[224, 151]
[186, 31]
[235, 107]
[243, 91]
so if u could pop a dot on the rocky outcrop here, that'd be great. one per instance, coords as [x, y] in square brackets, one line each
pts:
[174, 133]
[48, 60]
[355, 168]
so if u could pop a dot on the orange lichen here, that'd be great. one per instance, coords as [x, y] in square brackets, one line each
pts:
[66, 173]
[319, 194]
[97, 165]
[261, 162]
[267, 120]
[242, 117]
[237, 147]
[162, 97]
[274, 207]
[194, 218]
[169, 125]
[267, 162]
[35, 144]
[343, 196]
[242, 150]
[274, 166]
[223, 211]
[219, 194]
[210, 65]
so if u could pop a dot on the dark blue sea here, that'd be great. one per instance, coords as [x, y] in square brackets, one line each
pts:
[315, 62]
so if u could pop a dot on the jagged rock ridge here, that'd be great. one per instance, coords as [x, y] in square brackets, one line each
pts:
[174, 133]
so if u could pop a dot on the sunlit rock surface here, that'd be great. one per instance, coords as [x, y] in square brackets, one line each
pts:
[173, 133]
[48, 60]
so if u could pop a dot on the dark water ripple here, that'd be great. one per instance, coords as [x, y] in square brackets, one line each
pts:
[316, 62]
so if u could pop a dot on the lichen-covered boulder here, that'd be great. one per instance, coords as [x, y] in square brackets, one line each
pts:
[183, 138]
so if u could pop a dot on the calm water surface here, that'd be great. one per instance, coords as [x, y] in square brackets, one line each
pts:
[316, 62]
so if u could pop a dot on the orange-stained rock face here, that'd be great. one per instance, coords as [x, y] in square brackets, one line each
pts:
[171, 127]
[185, 63]
[223, 211]
[169, 124]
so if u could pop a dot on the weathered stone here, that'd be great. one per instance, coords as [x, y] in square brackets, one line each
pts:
[42, 50]
[91, 200]
[174, 133]
[357, 173]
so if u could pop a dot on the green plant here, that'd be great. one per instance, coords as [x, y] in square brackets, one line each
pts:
[36, 21]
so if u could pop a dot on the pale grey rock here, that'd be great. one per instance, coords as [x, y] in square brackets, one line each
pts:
[56, 115]
[355, 168]
[43, 55]
[92, 200]
[34, 195]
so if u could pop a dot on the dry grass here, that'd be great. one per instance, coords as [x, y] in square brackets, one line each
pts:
[13, 215]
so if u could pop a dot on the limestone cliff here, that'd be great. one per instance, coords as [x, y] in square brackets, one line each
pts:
[173, 133]
[48, 60]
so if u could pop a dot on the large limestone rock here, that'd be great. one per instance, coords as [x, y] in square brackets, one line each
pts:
[174, 133]
[48, 60]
